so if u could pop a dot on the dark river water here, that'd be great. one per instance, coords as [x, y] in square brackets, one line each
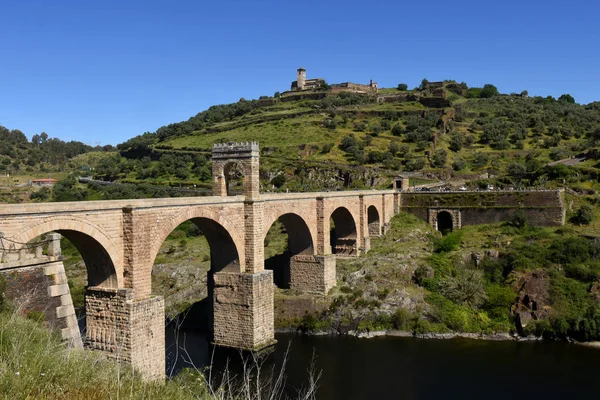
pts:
[407, 368]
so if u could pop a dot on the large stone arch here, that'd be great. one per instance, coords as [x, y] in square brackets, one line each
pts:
[294, 219]
[102, 257]
[344, 238]
[300, 243]
[201, 215]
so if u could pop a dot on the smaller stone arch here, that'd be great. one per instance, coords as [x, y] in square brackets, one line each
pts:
[245, 156]
[445, 220]
[300, 244]
[373, 221]
[344, 237]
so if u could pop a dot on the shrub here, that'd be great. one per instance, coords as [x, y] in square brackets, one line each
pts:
[459, 164]
[397, 130]
[447, 243]
[439, 158]
[279, 180]
[584, 215]
[467, 287]
[402, 87]
[326, 148]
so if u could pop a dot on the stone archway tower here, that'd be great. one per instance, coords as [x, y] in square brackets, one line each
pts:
[246, 155]
[243, 301]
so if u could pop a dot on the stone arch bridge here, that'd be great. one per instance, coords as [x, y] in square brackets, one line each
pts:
[120, 239]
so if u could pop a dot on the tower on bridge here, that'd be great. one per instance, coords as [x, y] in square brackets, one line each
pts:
[246, 157]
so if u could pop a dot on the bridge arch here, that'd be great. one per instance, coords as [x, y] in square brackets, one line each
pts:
[102, 259]
[225, 241]
[373, 221]
[299, 242]
[343, 236]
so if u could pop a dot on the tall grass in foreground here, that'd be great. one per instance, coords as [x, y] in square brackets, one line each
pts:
[35, 364]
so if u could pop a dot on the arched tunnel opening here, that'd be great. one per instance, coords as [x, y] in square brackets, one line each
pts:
[288, 236]
[444, 222]
[343, 235]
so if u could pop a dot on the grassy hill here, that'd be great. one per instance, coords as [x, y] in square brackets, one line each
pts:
[508, 139]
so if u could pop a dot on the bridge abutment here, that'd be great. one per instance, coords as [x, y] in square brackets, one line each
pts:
[243, 310]
[40, 286]
[128, 330]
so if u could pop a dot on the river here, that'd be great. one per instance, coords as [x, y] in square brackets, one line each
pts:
[407, 368]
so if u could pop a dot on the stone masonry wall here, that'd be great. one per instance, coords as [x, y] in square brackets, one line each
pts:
[314, 274]
[43, 288]
[542, 208]
[243, 310]
[127, 330]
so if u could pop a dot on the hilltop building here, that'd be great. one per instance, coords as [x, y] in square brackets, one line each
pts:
[301, 83]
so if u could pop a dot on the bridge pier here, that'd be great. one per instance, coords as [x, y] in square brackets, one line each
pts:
[126, 329]
[243, 310]
[310, 273]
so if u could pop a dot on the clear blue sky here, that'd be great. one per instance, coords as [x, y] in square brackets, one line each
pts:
[102, 71]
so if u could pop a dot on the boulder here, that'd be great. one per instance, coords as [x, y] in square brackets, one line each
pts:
[533, 302]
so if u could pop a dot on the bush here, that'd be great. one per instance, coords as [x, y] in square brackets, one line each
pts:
[327, 148]
[402, 87]
[584, 215]
[447, 243]
[279, 180]
[467, 287]
[439, 158]
[459, 164]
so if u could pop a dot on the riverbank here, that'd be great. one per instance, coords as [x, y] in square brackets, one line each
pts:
[495, 337]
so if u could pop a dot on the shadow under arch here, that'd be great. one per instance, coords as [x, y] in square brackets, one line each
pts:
[99, 256]
[198, 317]
[224, 256]
[343, 234]
[299, 241]
[373, 221]
[445, 223]
[100, 268]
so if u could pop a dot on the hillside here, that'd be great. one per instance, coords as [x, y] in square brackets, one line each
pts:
[313, 141]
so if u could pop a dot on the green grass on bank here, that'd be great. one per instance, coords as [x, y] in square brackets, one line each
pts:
[35, 364]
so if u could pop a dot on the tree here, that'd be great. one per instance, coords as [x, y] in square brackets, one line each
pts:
[439, 158]
[277, 95]
[456, 141]
[394, 147]
[566, 98]
[424, 83]
[397, 130]
[584, 215]
[459, 164]
[488, 90]
[402, 87]
[279, 180]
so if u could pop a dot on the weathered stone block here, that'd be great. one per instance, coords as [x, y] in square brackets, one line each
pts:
[312, 274]
[243, 310]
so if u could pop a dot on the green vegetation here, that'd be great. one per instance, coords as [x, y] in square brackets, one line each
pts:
[472, 280]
